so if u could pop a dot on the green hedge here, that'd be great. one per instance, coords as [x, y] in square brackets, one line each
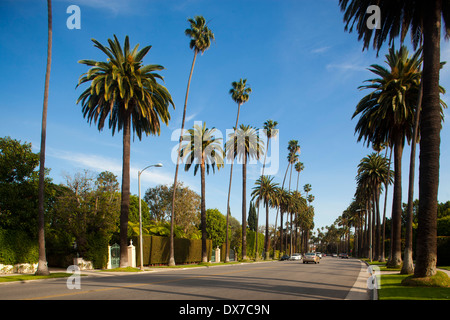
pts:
[156, 250]
[443, 251]
[17, 247]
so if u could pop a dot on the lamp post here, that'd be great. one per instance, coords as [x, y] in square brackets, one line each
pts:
[141, 249]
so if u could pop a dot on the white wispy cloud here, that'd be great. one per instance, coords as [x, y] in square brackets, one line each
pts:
[321, 49]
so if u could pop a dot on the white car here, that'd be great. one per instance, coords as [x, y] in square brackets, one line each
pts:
[311, 257]
[296, 256]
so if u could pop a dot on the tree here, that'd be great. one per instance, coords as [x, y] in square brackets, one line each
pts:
[187, 206]
[42, 268]
[204, 151]
[252, 221]
[423, 21]
[245, 145]
[240, 94]
[127, 92]
[201, 37]
[265, 191]
[215, 227]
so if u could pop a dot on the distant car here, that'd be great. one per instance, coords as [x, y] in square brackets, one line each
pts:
[319, 254]
[311, 257]
[334, 255]
[343, 255]
[285, 257]
[296, 256]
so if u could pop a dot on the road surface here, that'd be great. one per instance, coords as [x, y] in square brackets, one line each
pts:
[331, 279]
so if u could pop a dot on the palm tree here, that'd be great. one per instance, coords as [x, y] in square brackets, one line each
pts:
[269, 128]
[299, 167]
[373, 171]
[244, 144]
[205, 151]
[127, 93]
[265, 190]
[386, 115]
[201, 37]
[283, 201]
[423, 21]
[42, 265]
[240, 94]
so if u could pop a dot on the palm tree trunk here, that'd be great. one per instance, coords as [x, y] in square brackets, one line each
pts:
[266, 240]
[408, 265]
[396, 241]
[430, 127]
[244, 208]
[125, 202]
[42, 265]
[172, 216]
[203, 213]
[383, 233]
[281, 216]
[227, 253]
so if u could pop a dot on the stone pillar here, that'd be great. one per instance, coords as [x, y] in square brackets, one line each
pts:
[109, 258]
[132, 255]
[217, 254]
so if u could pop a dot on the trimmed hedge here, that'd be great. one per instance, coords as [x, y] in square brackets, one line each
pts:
[156, 250]
[443, 251]
[17, 247]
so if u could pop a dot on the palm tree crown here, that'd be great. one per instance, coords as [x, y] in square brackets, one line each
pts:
[239, 91]
[199, 33]
[123, 87]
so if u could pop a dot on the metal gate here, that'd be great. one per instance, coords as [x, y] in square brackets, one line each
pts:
[115, 256]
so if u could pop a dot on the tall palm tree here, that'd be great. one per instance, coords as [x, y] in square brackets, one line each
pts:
[283, 201]
[244, 144]
[125, 92]
[423, 21]
[299, 167]
[204, 151]
[240, 94]
[386, 115]
[201, 37]
[265, 191]
[42, 265]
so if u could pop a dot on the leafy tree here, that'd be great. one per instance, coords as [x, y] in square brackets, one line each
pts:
[187, 206]
[127, 93]
[215, 227]
[19, 187]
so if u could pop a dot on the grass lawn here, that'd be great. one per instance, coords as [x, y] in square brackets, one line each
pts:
[27, 277]
[392, 289]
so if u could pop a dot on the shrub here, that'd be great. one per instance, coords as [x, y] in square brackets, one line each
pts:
[17, 247]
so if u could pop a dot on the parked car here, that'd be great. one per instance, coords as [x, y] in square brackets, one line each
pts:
[311, 257]
[285, 257]
[343, 255]
[296, 256]
[334, 255]
[319, 254]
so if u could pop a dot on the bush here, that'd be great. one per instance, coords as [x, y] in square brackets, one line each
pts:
[156, 250]
[17, 247]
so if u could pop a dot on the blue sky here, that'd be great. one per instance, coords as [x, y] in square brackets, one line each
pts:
[303, 68]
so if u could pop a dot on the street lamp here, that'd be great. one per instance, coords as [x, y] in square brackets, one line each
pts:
[141, 249]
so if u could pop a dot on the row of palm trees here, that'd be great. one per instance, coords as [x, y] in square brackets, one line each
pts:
[126, 94]
[422, 20]
[389, 117]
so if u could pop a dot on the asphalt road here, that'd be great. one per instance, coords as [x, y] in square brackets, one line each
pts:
[331, 279]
